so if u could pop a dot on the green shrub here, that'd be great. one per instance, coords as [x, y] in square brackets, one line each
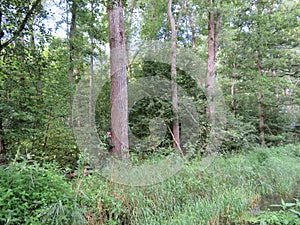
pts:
[31, 194]
[289, 213]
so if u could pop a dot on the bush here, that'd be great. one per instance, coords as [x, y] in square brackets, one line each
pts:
[31, 194]
[288, 214]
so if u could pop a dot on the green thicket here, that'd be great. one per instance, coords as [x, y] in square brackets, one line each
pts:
[230, 189]
[31, 194]
[258, 53]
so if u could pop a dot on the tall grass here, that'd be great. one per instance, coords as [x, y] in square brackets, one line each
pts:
[220, 194]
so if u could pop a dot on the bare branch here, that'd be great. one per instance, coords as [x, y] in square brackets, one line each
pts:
[183, 6]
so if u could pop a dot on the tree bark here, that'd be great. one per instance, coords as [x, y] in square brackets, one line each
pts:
[232, 89]
[214, 26]
[2, 145]
[261, 119]
[175, 124]
[71, 57]
[174, 30]
[260, 106]
[210, 70]
[217, 27]
[91, 108]
[118, 93]
[1, 30]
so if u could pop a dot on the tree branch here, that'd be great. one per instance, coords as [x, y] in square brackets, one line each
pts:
[22, 25]
[183, 6]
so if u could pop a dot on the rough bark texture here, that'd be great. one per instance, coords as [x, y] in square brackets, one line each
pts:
[214, 27]
[175, 127]
[217, 27]
[118, 94]
[210, 70]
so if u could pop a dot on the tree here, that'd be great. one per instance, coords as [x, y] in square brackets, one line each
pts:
[174, 30]
[91, 36]
[118, 93]
[10, 34]
[259, 55]
[71, 35]
[16, 57]
[214, 22]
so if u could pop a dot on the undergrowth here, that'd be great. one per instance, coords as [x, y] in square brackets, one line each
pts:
[230, 188]
[220, 194]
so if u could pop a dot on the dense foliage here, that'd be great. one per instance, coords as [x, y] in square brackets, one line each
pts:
[231, 189]
[256, 56]
[31, 194]
[54, 55]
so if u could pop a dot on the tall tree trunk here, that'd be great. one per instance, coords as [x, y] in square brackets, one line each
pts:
[217, 27]
[71, 57]
[175, 128]
[91, 108]
[2, 145]
[1, 30]
[214, 26]
[192, 25]
[260, 106]
[210, 71]
[129, 69]
[131, 12]
[259, 69]
[232, 89]
[118, 93]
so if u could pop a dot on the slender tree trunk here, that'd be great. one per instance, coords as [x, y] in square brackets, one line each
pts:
[35, 71]
[1, 31]
[175, 128]
[45, 142]
[261, 119]
[192, 25]
[260, 106]
[91, 108]
[2, 145]
[210, 71]
[131, 12]
[71, 57]
[232, 89]
[118, 94]
[129, 32]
